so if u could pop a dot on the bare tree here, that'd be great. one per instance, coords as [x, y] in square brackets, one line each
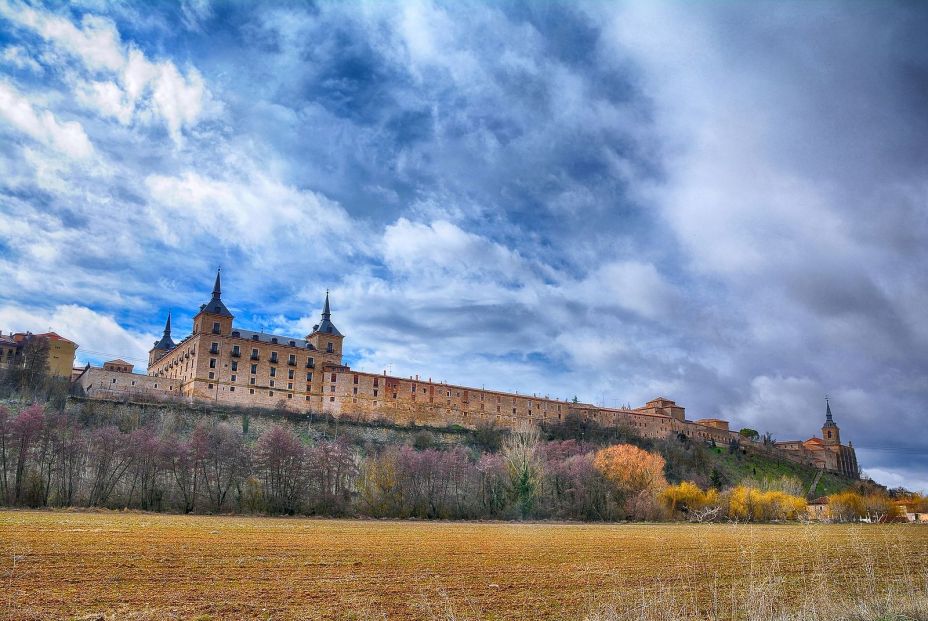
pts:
[280, 459]
[221, 454]
[524, 465]
[108, 461]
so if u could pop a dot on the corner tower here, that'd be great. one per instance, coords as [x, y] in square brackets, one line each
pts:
[163, 346]
[325, 337]
[214, 317]
[831, 435]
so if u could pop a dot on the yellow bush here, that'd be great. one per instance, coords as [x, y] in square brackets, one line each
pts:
[754, 505]
[847, 506]
[687, 496]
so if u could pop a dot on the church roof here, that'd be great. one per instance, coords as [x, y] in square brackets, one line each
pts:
[829, 421]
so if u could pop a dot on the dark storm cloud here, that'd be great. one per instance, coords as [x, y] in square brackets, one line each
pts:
[723, 203]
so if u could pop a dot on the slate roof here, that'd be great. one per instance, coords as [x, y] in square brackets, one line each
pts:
[326, 326]
[166, 341]
[215, 305]
[265, 337]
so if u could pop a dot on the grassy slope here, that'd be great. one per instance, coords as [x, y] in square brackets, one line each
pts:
[737, 467]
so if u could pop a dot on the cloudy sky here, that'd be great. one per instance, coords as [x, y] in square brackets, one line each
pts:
[726, 204]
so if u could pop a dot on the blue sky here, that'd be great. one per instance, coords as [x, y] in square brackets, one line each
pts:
[720, 203]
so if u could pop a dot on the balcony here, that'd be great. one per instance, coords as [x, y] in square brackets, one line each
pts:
[273, 360]
[236, 353]
[311, 365]
[214, 350]
[255, 357]
[292, 363]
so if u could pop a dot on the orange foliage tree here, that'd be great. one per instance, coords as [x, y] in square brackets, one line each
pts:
[630, 469]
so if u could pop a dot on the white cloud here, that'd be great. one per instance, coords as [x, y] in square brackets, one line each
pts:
[67, 137]
[16, 56]
[250, 210]
[631, 285]
[136, 88]
[98, 336]
[417, 248]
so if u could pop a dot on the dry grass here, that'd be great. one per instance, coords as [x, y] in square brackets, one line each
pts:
[142, 566]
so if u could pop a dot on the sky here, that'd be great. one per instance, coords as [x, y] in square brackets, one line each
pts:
[722, 203]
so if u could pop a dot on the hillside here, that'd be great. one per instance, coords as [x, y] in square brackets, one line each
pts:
[686, 460]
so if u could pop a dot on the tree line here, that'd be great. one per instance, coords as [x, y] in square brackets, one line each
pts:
[56, 458]
[50, 458]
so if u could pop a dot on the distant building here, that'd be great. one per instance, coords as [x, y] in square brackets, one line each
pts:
[826, 452]
[60, 351]
[119, 365]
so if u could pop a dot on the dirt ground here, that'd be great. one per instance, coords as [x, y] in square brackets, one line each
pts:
[145, 566]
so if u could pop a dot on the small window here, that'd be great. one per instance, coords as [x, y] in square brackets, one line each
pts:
[215, 327]
[330, 348]
[251, 391]
[212, 363]
[309, 377]
[210, 386]
[270, 393]
[233, 377]
[231, 388]
[274, 340]
[290, 374]
[307, 397]
[235, 366]
[211, 375]
[254, 369]
[272, 383]
[252, 381]
[289, 395]
[333, 377]
[332, 399]
[273, 371]
[289, 385]
[332, 389]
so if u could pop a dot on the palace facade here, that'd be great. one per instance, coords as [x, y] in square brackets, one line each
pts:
[222, 363]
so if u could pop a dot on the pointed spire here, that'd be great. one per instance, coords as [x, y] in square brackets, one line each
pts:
[215, 305]
[326, 326]
[829, 421]
[166, 342]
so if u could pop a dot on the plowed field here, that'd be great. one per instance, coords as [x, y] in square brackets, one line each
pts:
[143, 566]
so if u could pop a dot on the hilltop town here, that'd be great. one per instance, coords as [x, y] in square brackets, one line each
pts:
[221, 363]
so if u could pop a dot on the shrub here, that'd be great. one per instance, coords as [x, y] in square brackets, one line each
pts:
[847, 506]
[686, 497]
